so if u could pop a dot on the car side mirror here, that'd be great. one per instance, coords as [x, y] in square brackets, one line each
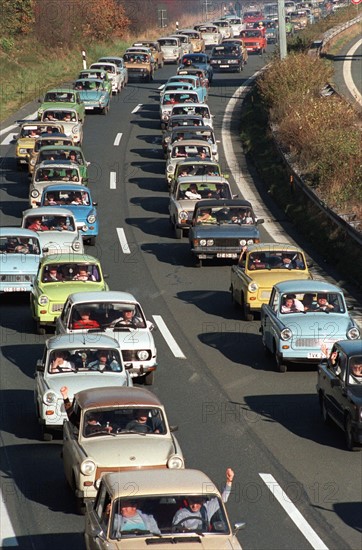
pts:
[39, 100]
[94, 203]
[15, 136]
[128, 366]
[238, 526]
[45, 249]
[259, 221]
[173, 428]
[150, 325]
[336, 382]
[310, 264]
[39, 366]
[350, 307]
[235, 196]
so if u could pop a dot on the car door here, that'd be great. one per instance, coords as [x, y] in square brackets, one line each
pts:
[268, 312]
[336, 391]
[97, 520]
[70, 452]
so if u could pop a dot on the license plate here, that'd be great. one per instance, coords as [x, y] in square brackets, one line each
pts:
[226, 255]
[87, 108]
[315, 355]
[224, 66]
[249, 49]
[12, 289]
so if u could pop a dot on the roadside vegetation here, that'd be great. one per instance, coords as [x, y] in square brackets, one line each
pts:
[42, 40]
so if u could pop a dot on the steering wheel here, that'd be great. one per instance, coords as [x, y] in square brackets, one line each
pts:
[178, 526]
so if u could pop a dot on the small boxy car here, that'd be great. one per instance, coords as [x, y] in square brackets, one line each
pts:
[339, 389]
[302, 317]
[59, 98]
[29, 132]
[116, 314]
[79, 365]
[111, 429]
[20, 254]
[158, 495]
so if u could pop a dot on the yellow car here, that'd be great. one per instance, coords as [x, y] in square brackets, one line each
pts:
[260, 267]
[29, 132]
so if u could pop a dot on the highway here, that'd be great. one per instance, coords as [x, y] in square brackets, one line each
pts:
[231, 406]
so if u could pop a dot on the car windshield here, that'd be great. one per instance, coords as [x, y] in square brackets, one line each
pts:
[224, 215]
[63, 116]
[197, 191]
[190, 109]
[19, 245]
[59, 272]
[170, 98]
[189, 121]
[252, 34]
[46, 141]
[312, 302]
[355, 370]
[198, 169]
[57, 174]
[186, 151]
[120, 420]
[225, 50]
[102, 315]
[61, 361]
[67, 97]
[61, 154]
[194, 59]
[270, 260]
[168, 42]
[90, 84]
[67, 197]
[193, 133]
[168, 514]
[108, 68]
[208, 29]
[49, 223]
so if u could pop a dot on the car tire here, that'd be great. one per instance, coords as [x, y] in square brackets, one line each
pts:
[247, 314]
[39, 329]
[281, 366]
[105, 110]
[92, 241]
[350, 442]
[149, 378]
[46, 434]
[178, 232]
[324, 411]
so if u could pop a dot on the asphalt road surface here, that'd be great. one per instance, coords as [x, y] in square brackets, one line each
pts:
[231, 406]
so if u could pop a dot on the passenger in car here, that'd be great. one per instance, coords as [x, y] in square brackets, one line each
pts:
[85, 321]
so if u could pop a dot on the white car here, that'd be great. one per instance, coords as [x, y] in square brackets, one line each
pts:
[236, 23]
[179, 152]
[69, 119]
[114, 74]
[171, 47]
[120, 65]
[107, 316]
[49, 172]
[198, 109]
[211, 35]
[169, 99]
[186, 44]
[224, 27]
[79, 365]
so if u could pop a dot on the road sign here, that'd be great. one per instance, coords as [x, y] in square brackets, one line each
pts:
[356, 1]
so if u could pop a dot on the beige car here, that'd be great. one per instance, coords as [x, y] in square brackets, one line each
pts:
[29, 132]
[198, 43]
[114, 429]
[158, 498]
[155, 48]
[140, 65]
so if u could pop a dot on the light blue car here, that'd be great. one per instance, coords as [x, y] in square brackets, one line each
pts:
[194, 81]
[20, 254]
[303, 320]
[94, 94]
[76, 198]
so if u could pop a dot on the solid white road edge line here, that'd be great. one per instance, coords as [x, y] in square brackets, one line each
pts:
[347, 73]
[137, 108]
[7, 140]
[238, 167]
[161, 87]
[122, 239]
[113, 180]
[170, 340]
[9, 128]
[7, 535]
[314, 540]
[117, 140]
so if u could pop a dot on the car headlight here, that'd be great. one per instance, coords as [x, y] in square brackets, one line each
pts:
[87, 467]
[102, 98]
[170, 168]
[143, 355]
[165, 116]
[49, 398]
[32, 162]
[76, 129]
[76, 245]
[175, 51]
[175, 463]
[286, 334]
[210, 242]
[242, 242]
[43, 300]
[203, 242]
[91, 218]
[249, 241]
[34, 193]
[22, 151]
[183, 216]
[253, 287]
[353, 333]
[84, 227]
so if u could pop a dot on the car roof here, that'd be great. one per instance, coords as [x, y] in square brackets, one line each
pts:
[202, 179]
[66, 187]
[47, 211]
[121, 396]
[307, 286]
[166, 37]
[274, 247]
[192, 129]
[162, 481]
[192, 142]
[69, 147]
[350, 347]
[81, 340]
[191, 105]
[68, 258]
[17, 232]
[61, 90]
[222, 202]
[58, 164]
[107, 296]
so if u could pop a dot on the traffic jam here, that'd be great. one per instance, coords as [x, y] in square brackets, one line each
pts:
[100, 351]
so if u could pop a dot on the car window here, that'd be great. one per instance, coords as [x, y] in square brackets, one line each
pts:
[19, 245]
[274, 300]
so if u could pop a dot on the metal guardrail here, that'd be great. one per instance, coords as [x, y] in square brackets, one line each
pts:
[327, 37]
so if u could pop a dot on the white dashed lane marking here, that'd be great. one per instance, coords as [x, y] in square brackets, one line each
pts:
[170, 340]
[137, 108]
[117, 139]
[123, 241]
[113, 180]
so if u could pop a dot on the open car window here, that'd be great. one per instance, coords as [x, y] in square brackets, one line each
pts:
[124, 420]
[312, 302]
[19, 245]
[84, 359]
[117, 316]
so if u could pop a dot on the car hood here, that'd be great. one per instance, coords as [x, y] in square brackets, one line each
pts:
[19, 263]
[226, 231]
[186, 204]
[51, 239]
[128, 450]
[143, 339]
[78, 381]
[79, 212]
[206, 542]
[268, 279]
[26, 142]
[307, 324]
[90, 95]
[59, 292]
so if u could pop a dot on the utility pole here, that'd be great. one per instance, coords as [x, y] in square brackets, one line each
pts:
[282, 31]
[207, 4]
[162, 17]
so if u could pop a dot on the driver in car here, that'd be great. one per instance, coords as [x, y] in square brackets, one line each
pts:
[199, 511]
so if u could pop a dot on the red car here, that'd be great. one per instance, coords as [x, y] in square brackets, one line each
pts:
[254, 40]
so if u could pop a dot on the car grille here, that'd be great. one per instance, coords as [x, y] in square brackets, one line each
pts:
[225, 243]
[312, 342]
[101, 471]
[57, 308]
[16, 278]
[251, 44]
[131, 355]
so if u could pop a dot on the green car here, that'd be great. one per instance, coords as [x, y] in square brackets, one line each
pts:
[97, 74]
[57, 153]
[58, 276]
[62, 98]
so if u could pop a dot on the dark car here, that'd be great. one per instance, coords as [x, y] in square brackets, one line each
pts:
[339, 389]
[221, 228]
[227, 57]
[196, 60]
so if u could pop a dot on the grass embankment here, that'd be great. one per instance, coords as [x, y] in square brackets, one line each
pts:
[30, 69]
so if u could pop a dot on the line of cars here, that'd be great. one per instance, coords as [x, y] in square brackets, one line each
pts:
[84, 382]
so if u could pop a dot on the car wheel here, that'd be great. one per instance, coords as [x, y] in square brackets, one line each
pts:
[39, 329]
[281, 367]
[233, 300]
[178, 232]
[247, 315]
[350, 442]
[324, 410]
[46, 434]
[92, 241]
[148, 379]
[105, 110]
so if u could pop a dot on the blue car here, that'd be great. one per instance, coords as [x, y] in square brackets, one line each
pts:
[192, 82]
[199, 60]
[94, 94]
[20, 254]
[76, 198]
[303, 320]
